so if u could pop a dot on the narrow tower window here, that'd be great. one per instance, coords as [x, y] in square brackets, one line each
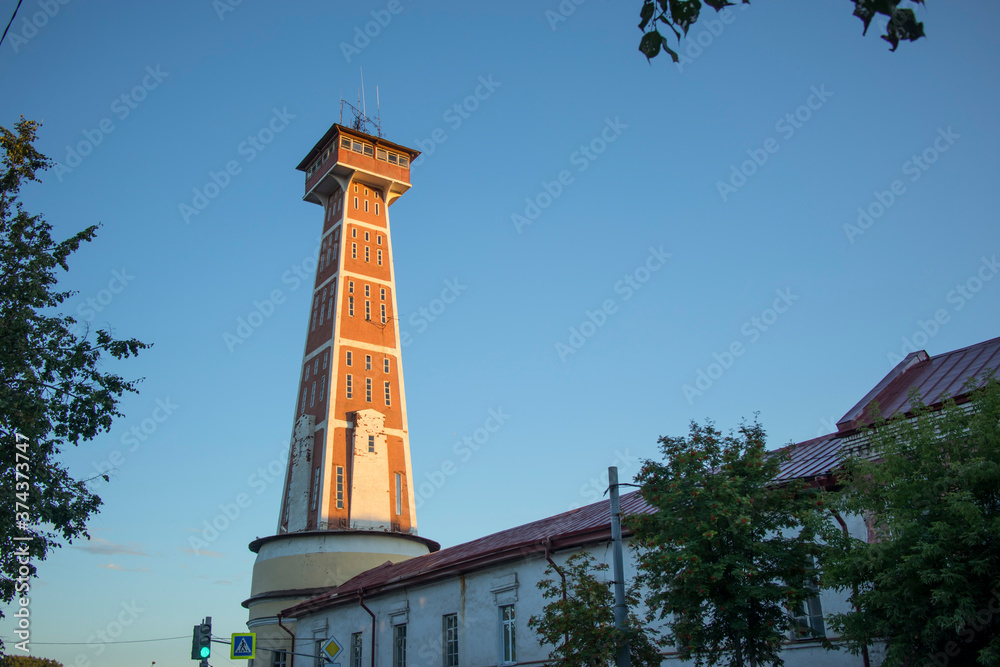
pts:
[322, 389]
[371, 443]
[399, 494]
[315, 491]
[348, 357]
[379, 257]
[383, 313]
[368, 310]
[368, 254]
[388, 394]
[368, 290]
[385, 365]
[368, 236]
[340, 487]
[368, 362]
[354, 251]
[312, 396]
[350, 388]
[382, 293]
[350, 306]
[368, 389]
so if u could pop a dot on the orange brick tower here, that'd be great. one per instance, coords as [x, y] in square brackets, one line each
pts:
[348, 500]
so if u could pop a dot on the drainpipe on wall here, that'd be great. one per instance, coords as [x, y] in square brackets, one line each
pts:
[361, 601]
[843, 527]
[548, 544]
[292, 663]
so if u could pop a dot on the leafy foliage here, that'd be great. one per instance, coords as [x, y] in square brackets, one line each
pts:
[52, 390]
[27, 661]
[929, 583]
[581, 624]
[680, 15]
[726, 556]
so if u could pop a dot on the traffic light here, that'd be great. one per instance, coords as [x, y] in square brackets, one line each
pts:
[201, 640]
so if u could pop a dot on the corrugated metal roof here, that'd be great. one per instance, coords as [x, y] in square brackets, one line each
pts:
[934, 378]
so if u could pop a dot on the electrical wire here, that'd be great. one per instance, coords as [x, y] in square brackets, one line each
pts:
[131, 641]
[11, 21]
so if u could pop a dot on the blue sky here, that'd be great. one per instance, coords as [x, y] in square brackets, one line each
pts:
[611, 228]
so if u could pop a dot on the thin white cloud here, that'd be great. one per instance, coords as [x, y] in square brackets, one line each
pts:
[97, 545]
[203, 552]
[119, 568]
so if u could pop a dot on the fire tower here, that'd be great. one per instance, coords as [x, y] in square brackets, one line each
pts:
[348, 500]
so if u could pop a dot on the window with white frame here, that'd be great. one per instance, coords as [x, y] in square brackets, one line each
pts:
[350, 388]
[371, 444]
[388, 394]
[385, 365]
[356, 649]
[383, 314]
[340, 487]
[368, 362]
[508, 645]
[279, 659]
[349, 357]
[399, 494]
[807, 616]
[314, 496]
[399, 645]
[368, 390]
[450, 640]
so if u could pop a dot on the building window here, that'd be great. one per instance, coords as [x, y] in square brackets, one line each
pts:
[355, 203]
[383, 313]
[322, 389]
[350, 287]
[382, 293]
[368, 310]
[308, 366]
[368, 254]
[508, 646]
[366, 192]
[368, 362]
[388, 399]
[354, 230]
[368, 290]
[340, 487]
[356, 651]
[450, 640]
[376, 207]
[302, 407]
[354, 251]
[379, 257]
[350, 306]
[368, 236]
[399, 494]
[385, 365]
[368, 390]
[366, 210]
[378, 239]
[349, 355]
[350, 387]
[279, 659]
[807, 616]
[399, 645]
[315, 491]
[312, 397]
[371, 444]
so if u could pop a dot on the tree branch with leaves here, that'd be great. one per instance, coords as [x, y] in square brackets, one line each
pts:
[53, 390]
[679, 15]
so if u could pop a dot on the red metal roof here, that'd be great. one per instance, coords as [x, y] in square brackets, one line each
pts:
[934, 377]
[584, 525]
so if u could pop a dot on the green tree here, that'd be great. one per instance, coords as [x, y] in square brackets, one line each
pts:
[580, 621]
[929, 583]
[726, 557]
[27, 661]
[680, 15]
[53, 392]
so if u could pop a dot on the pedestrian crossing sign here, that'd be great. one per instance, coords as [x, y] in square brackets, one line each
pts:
[244, 646]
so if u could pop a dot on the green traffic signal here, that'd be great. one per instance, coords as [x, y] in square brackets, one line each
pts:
[206, 651]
